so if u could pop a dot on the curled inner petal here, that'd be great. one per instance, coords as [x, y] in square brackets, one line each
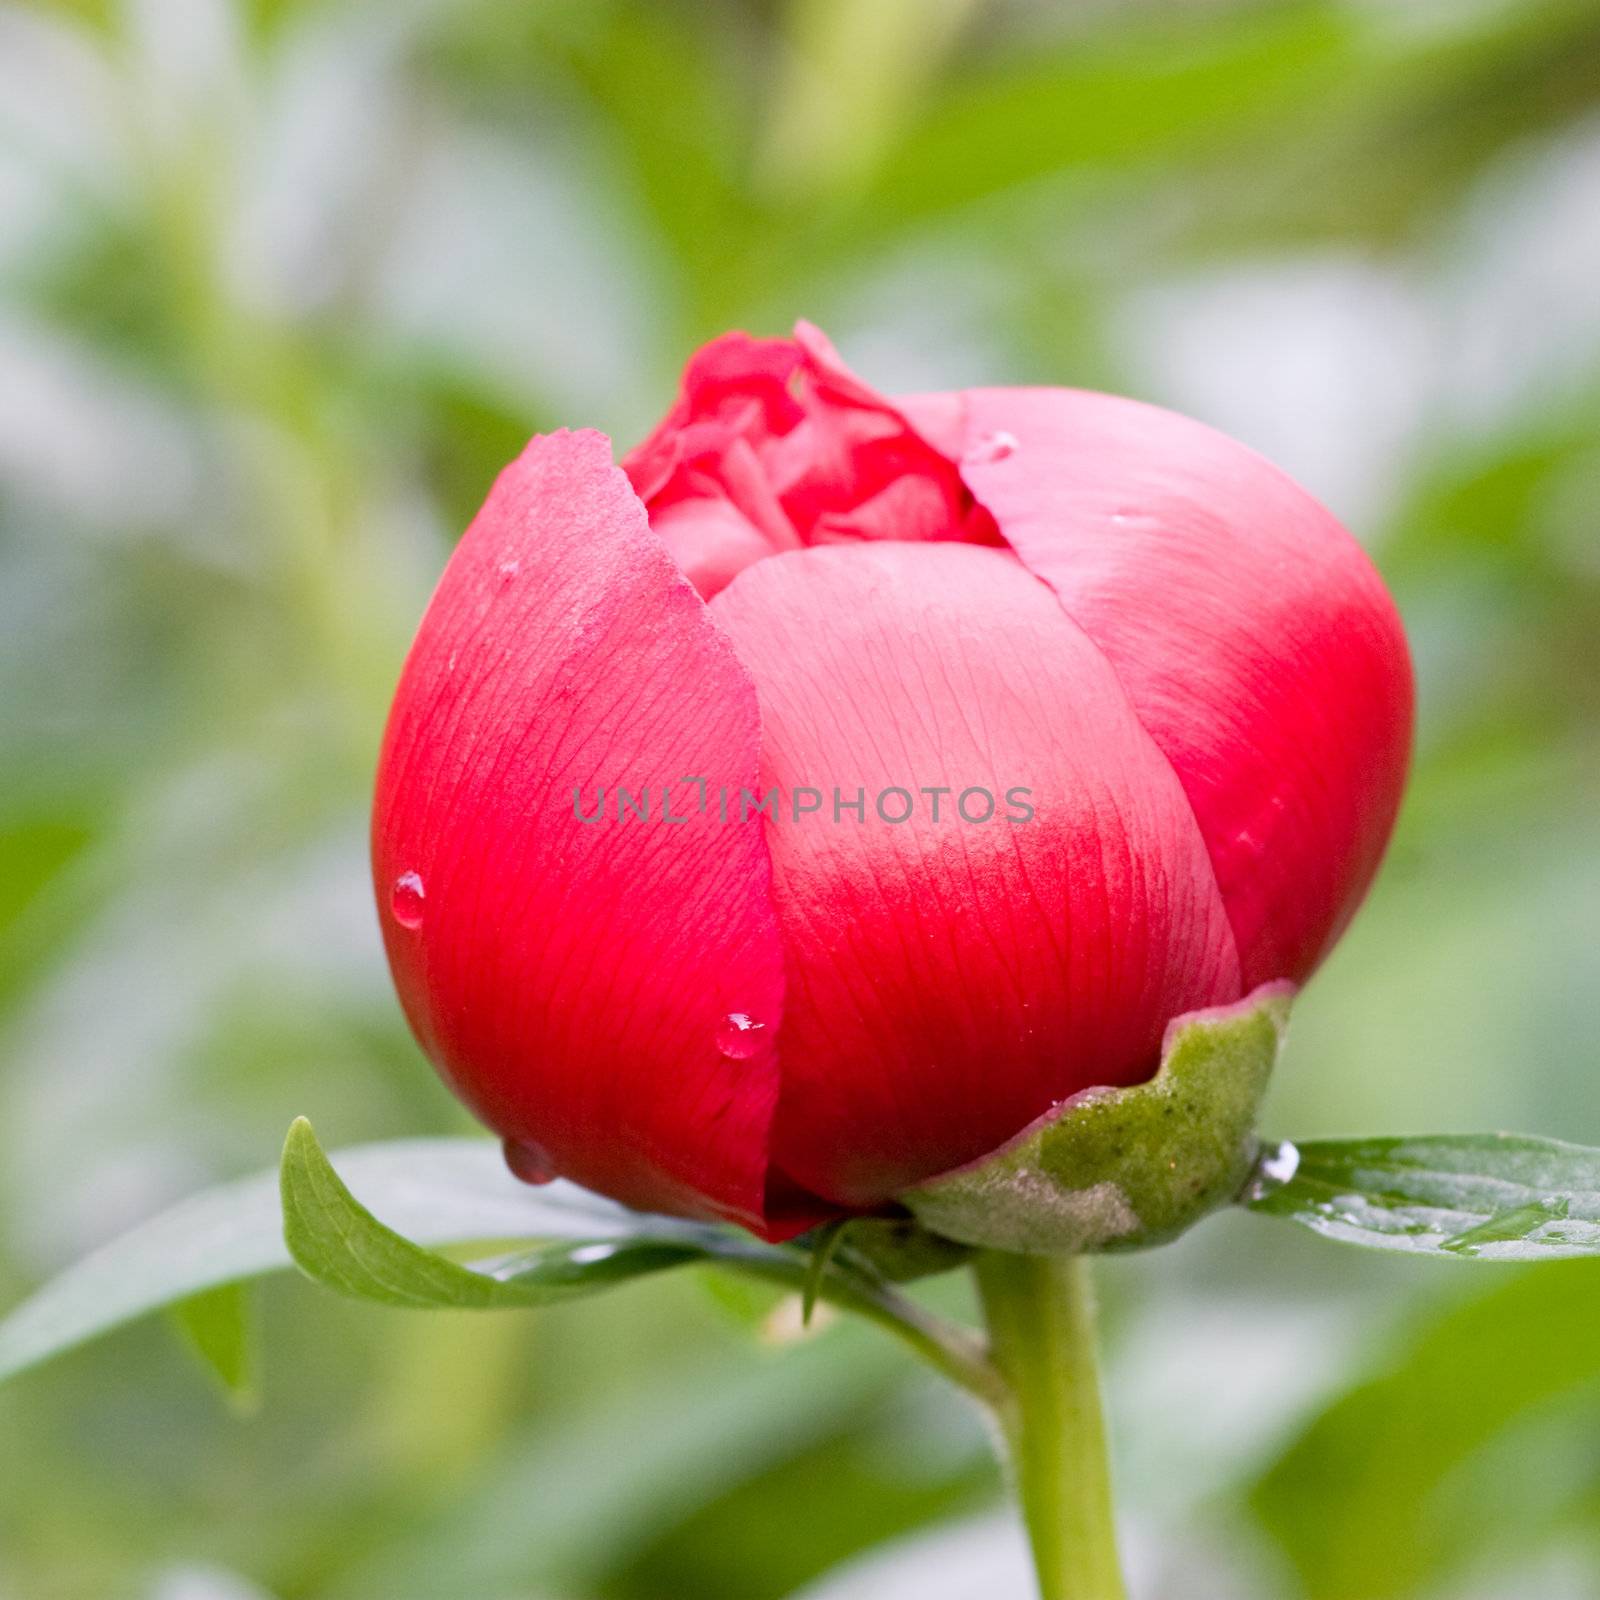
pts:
[774, 445]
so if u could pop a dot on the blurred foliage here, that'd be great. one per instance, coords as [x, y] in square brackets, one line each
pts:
[283, 283]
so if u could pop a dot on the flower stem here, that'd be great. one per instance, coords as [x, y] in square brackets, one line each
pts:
[952, 1349]
[1040, 1311]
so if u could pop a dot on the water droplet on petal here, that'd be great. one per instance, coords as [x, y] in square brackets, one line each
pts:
[405, 900]
[508, 570]
[992, 447]
[529, 1161]
[739, 1036]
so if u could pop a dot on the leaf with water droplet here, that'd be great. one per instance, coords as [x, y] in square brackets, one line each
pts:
[1491, 1197]
[1505, 1226]
[1276, 1165]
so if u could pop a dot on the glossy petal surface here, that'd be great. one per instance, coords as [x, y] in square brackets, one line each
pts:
[948, 980]
[1250, 631]
[572, 979]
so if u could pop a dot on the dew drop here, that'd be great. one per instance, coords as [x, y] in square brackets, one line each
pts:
[529, 1161]
[508, 570]
[739, 1035]
[992, 447]
[1275, 1166]
[405, 900]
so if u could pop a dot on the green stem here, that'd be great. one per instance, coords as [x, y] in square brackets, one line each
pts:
[950, 1348]
[1040, 1311]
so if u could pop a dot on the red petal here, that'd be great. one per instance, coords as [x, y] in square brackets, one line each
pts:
[572, 980]
[733, 383]
[771, 445]
[949, 980]
[1250, 631]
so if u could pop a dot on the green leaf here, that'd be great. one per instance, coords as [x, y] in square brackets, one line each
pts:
[1498, 1197]
[825, 1242]
[1412, 1474]
[218, 1326]
[569, 1502]
[335, 1240]
[1139, 95]
[436, 1191]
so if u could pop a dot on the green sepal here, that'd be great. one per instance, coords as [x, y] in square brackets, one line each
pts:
[1120, 1169]
[895, 1249]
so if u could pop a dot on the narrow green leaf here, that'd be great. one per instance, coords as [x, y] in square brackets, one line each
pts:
[338, 1242]
[823, 1245]
[431, 1192]
[1496, 1197]
[436, 1191]
[1142, 95]
[335, 1240]
[218, 1327]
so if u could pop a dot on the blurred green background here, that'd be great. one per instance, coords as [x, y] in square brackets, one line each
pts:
[282, 283]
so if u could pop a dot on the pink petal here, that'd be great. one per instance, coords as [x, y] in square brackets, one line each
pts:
[947, 981]
[1251, 633]
[780, 440]
[573, 980]
[739, 384]
[710, 539]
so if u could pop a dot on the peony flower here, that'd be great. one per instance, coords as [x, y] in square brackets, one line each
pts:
[800, 810]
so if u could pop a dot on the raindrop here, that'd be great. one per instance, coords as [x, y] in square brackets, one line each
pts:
[1275, 1166]
[1516, 1225]
[993, 447]
[529, 1161]
[508, 570]
[405, 900]
[738, 1036]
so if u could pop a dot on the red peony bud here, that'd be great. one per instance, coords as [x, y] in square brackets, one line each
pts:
[805, 809]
